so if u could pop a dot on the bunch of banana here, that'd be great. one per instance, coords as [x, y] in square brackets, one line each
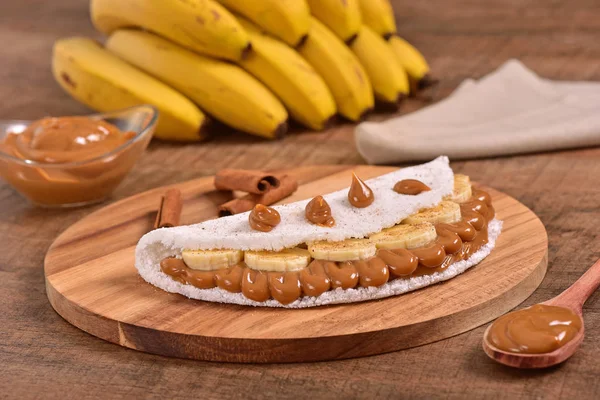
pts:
[335, 60]
[342, 17]
[290, 77]
[288, 20]
[104, 82]
[379, 16]
[389, 79]
[200, 25]
[447, 212]
[340, 70]
[413, 62]
[224, 90]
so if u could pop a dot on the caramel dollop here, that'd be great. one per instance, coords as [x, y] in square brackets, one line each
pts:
[263, 218]
[360, 195]
[534, 330]
[318, 212]
[410, 187]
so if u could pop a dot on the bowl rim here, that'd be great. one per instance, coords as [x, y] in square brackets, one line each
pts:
[139, 135]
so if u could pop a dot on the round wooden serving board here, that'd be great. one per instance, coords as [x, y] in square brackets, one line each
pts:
[91, 282]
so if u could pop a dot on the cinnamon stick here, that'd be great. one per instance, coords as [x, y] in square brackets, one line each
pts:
[169, 211]
[256, 182]
[287, 186]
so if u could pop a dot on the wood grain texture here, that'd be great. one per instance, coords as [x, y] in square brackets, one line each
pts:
[102, 293]
[42, 356]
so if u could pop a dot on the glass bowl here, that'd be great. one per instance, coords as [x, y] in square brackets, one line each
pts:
[85, 182]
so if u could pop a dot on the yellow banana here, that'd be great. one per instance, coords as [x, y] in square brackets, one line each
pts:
[379, 16]
[341, 16]
[405, 236]
[340, 70]
[413, 62]
[208, 260]
[462, 189]
[288, 20]
[223, 90]
[346, 250]
[290, 77]
[104, 82]
[293, 259]
[389, 80]
[200, 25]
[445, 212]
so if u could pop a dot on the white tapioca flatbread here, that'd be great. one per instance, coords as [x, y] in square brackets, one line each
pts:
[234, 232]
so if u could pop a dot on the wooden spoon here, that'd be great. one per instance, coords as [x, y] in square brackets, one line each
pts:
[573, 298]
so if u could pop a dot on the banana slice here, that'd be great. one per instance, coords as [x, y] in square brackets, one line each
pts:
[351, 249]
[285, 260]
[208, 260]
[462, 189]
[405, 236]
[446, 211]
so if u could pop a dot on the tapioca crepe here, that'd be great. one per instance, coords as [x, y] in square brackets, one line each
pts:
[233, 232]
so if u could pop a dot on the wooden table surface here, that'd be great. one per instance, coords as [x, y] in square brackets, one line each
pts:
[42, 356]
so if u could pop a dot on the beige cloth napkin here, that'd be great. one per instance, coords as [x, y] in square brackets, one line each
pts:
[509, 111]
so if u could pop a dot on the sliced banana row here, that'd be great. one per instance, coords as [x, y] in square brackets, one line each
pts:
[418, 230]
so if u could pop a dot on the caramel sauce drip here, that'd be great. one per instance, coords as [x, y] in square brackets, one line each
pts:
[450, 240]
[463, 229]
[372, 272]
[476, 220]
[410, 187]
[230, 279]
[342, 275]
[360, 195]
[318, 212]
[263, 218]
[454, 242]
[400, 262]
[482, 196]
[534, 330]
[475, 205]
[255, 285]
[314, 280]
[177, 269]
[431, 256]
[285, 286]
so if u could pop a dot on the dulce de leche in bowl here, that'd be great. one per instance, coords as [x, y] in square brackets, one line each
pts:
[73, 161]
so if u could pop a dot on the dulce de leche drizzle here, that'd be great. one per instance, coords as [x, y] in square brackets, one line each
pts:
[410, 187]
[263, 218]
[454, 242]
[534, 330]
[360, 195]
[318, 212]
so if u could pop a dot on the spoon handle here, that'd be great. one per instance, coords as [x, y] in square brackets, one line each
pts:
[577, 294]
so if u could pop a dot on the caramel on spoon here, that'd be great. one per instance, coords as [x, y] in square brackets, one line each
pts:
[571, 299]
